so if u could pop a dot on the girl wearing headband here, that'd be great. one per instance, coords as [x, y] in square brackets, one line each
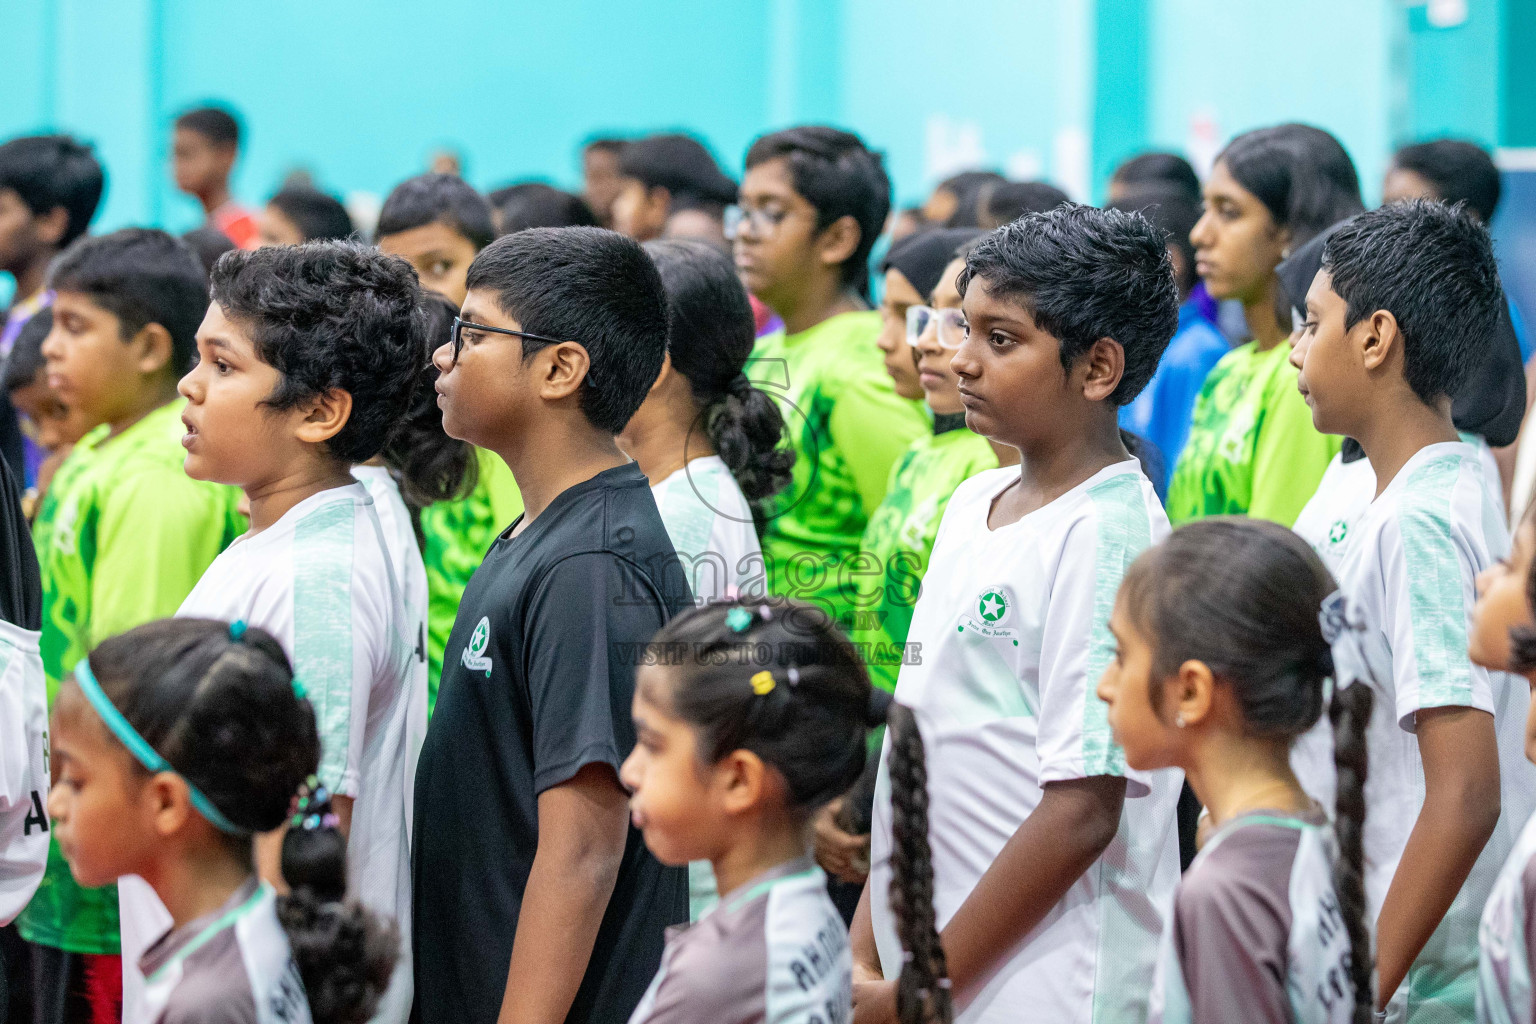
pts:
[175, 743]
[748, 719]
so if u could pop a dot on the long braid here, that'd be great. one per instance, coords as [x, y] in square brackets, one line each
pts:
[1350, 713]
[922, 991]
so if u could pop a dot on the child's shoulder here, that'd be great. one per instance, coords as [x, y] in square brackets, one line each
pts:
[1440, 495]
[1249, 865]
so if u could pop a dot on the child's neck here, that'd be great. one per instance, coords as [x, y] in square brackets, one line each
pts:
[194, 882]
[666, 439]
[1234, 775]
[552, 459]
[1390, 441]
[30, 277]
[215, 198]
[1263, 322]
[820, 301]
[1049, 468]
[757, 847]
[139, 406]
[272, 499]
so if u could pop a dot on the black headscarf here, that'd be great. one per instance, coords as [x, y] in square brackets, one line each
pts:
[1490, 404]
[922, 257]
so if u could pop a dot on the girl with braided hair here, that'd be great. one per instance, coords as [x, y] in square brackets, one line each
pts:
[175, 744]
[1223, 651]
[749, 717]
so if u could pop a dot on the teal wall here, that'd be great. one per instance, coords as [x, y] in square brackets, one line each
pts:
[361, 92]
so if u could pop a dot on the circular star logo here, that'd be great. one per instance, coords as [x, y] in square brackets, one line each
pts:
[480, 637]
[993, 606]
[1338, 532]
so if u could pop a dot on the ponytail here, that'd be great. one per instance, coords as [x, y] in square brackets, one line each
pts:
[1350, 713]
[344, 952]
[922, 989]
[710, 335]
[429, 465]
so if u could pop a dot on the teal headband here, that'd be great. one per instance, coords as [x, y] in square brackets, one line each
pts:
[139, 747]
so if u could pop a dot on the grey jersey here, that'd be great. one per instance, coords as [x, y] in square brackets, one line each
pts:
[1257, 933]
[774, 951]
[233, 966]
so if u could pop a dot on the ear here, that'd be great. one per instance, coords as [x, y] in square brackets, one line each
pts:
[563, 369]
[741, 779]
[658, 201]
[50, 226]
[665, 374]
[1378, 338]
[1104, 365]
[1194, 692]
[153, 349]
[838, 241]
[169, 802]
[325, 416]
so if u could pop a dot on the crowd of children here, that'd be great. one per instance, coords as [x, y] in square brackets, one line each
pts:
[602, 608]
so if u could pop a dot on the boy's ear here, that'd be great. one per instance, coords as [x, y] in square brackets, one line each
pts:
[153, 349]
[1378, 338]
[326, 415]
[565, 367]
[838, 241]
[666, 371]
[1104, 365]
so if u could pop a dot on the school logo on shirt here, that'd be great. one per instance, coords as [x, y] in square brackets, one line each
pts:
[988, 615]
[474, 657]
[1338, 532]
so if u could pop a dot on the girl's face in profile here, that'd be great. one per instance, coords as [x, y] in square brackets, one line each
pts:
[1126, 687]
[1502, 602]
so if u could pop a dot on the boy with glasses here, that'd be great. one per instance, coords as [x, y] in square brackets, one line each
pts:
[812, 203]
[535, 898]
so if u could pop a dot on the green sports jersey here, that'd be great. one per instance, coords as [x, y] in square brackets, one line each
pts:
[847, 427]
[900, 538]
[1252, 449]
[122, 537]
[457, 534]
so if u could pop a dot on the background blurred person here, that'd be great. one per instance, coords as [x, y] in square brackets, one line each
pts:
[669, 186]
[436, 223]
[1011, 200]
[956, 201]
[600, 177]
[533, 204]
[298, 214]
[1154, 169]
[204, 147]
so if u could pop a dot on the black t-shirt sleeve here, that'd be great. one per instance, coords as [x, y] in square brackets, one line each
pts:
[590, 617]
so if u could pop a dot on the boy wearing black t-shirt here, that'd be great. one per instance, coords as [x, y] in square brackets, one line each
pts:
[535, 900]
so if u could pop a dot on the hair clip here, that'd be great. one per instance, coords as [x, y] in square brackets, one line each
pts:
[1333, 616]
[766, 612]
[763, 682]
[236, 631]
[298, 689]
[794, 676]
[738, 619]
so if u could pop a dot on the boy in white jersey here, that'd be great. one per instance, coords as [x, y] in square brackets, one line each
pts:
[1050, 885]
[1403, 306]
[307, 355]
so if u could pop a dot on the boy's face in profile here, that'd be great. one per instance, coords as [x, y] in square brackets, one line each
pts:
[485, 393]
[1012, 384]
[200, 165]
[775, 242]
[48, 421]
[640, 212]
[19, 241]
[92, 368]
[440, 255]
[1332, 378]
[232, 437]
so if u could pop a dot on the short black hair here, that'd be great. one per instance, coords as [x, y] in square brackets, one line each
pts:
[438, 199]
[1301, 174]
[1086, 274]
[603, 144]
[209, 243]
[217, 124]
[970, 189]
[533, 204]
[1013, 199]
[331, 315]
[141, 276]
[1158, 168]
[1461, 172]
[838, 175]
[681, 165]
[316, 215]
[1169, 208]
[26, 362]
[49, 171]
[1431, 266]
[591, 286]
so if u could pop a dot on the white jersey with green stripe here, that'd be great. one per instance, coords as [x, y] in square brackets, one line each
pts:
[321, 580]
[1507, 939]
[1013, 632]
[1408, 573]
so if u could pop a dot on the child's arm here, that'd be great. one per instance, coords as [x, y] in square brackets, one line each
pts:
[861, 937]
[583, 824]
[1461, 807]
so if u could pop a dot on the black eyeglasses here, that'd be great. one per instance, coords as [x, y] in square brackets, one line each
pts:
[458, 335]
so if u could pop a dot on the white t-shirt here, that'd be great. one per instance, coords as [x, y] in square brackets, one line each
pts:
[1407, 570]
[321, 579]
[710, 524]
[1507, 938]
[23, 769]
[1013, 628]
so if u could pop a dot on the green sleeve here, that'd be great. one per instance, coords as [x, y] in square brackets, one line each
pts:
[1290, 456]
[871, 426]
[157, 532]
